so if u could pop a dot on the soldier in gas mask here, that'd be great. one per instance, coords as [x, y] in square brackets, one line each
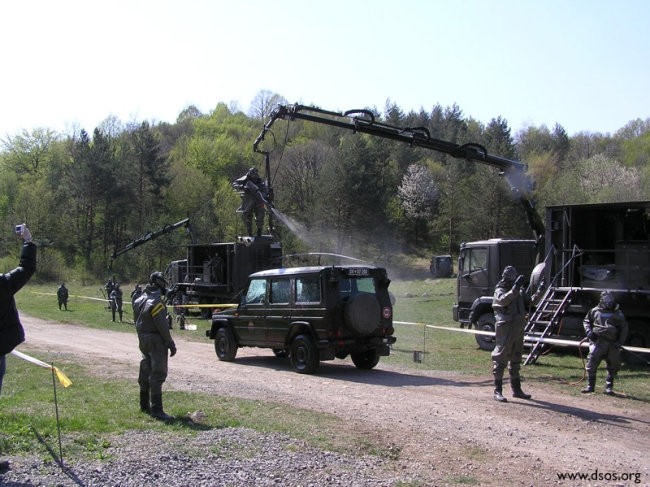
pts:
[150, 317]
[606, 328]
[509, 304]
[255, 196]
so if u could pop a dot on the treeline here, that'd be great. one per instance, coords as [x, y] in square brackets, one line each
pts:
[86, 194]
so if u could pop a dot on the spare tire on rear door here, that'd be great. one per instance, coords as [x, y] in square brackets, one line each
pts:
[362, 313]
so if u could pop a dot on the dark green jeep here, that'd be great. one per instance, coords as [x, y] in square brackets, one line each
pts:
[311, 314]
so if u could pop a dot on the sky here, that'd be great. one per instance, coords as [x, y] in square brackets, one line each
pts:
[72, 64]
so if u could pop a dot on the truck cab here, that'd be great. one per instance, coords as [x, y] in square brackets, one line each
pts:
[480, 265]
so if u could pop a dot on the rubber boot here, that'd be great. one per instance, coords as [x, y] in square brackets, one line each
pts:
[157, 408]
[145, 406]
[498, 391]
[591, 385]
[609, 385]
[516, 389]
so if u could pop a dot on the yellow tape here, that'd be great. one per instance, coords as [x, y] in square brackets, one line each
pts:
[527, 338]
[63, 379]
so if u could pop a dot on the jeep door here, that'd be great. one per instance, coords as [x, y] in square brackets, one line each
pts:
[278, 316]
[249, 322]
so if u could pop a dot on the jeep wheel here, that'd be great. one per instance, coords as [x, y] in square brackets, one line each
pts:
[224, 345]
[362, 313]
[304, 355]
[485, 323]
[365, 360]
[280, 352]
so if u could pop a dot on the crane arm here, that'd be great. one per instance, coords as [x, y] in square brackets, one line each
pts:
[363, 121]
[153, 235]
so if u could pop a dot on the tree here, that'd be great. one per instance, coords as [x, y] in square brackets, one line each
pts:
[603, 179]
[26, 153]
[264, 103]
[418, 194]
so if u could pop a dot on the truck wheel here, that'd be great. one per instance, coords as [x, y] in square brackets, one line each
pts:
[362, 313]
[280, 352]
[304, 355]
[225, 345]
[485, 323]
[365, 360]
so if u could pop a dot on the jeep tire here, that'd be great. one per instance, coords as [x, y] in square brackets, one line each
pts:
[362, 313]
[304, 355]
[366, 359]
[225, 345]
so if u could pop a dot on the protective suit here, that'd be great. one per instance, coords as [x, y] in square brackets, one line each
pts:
[116, 301]
[509, 304]
[150, 317]
[255, 195]
[606, 328]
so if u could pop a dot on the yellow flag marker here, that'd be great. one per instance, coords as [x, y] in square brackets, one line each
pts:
[63, 379]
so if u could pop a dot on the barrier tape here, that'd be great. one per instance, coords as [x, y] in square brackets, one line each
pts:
[220, 305]
[527, 338]
[63, 379]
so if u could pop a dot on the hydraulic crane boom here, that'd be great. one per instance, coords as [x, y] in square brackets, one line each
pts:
[364, 121]
[153, 235]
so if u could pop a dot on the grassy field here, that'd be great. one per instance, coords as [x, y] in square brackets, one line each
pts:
[26, 406]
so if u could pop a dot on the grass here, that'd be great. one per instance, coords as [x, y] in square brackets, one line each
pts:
[26, 404]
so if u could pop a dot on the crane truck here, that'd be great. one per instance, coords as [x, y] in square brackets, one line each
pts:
[615, 236]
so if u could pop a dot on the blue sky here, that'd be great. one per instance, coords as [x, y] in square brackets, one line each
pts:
[71, 63]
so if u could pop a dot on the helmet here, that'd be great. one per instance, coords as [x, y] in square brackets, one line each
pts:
[509, 273]
[157, 279]
[253, 174]
[607, 300]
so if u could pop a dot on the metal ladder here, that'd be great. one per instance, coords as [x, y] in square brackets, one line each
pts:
[545, 318]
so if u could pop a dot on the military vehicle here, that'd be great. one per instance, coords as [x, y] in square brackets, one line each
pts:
[441, 266]
[535, 258]
[590, 248]
[210, 273]
[480, 265]
[311, 314]
[214, 273]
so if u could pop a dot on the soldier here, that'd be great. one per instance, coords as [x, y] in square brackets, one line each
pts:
[606, 329]
[109, 289]
[510, 302]
[255, 196]
[150, 317]
[62, 296]
[116, 300]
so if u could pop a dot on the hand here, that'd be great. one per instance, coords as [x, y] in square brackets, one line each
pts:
[26, 235]
[172, 348]
[591, 336]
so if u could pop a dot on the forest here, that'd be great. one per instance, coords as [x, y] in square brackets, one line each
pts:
[87, 193]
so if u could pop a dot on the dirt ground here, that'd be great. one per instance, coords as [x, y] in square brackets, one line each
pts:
[447, 425]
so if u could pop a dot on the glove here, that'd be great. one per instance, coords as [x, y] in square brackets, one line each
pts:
[172, 348]
[591, 336]
[26, 235]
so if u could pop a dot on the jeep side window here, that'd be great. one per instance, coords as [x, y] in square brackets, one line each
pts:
[256, 292]
[280, 291]
[308, 289]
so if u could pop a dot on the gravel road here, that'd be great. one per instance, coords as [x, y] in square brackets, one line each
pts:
[445, 426]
